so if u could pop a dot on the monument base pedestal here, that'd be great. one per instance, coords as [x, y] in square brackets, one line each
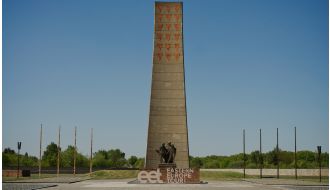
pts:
[166, 165]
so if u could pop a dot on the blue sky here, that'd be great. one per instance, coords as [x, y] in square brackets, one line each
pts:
[249, 64]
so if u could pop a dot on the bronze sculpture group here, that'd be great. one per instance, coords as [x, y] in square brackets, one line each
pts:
[167, 153]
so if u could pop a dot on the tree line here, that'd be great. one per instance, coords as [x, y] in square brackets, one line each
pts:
[305, 159]
[115, 158]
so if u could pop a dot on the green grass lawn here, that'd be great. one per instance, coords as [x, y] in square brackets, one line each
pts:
[222, 175]
[114, 174]
[124, 174]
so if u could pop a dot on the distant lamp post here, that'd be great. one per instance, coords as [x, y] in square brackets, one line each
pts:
[319, 159]
[295, 153]
[244, 155]
[261, 161]
[277, 156]
[19, 145]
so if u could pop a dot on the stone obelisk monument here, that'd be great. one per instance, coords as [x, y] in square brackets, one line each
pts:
[167, 114]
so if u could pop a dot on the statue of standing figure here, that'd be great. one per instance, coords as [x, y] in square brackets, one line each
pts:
[171, 152]
[163, 153]
[167, 153]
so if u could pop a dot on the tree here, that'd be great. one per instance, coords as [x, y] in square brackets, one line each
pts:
[196, 162]
[100, 159]
[116, 158]
[29, 161]
[132, 160]
[49, 157]
[113, 158]
[9, 157]
[286, 158]
[6, 161]
[307, 156]
[325, 159]
[8, 151]
[68, 158]
[212, 164]
[139, 163]
[254, 157]
[272, 156]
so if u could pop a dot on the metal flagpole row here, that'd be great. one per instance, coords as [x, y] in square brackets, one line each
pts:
[260, 159]
[59, 151]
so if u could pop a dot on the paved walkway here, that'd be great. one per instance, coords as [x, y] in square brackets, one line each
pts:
[25, 186]
[61, 179]
[251, 184]
[223, 185]
[274, 181]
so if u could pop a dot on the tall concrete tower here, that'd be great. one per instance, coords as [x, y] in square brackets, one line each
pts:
[168, 115]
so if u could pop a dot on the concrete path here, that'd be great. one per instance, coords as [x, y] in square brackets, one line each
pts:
[273, 181]
[223, 185]
[253, 184]
[61, 179]
[25, 186]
